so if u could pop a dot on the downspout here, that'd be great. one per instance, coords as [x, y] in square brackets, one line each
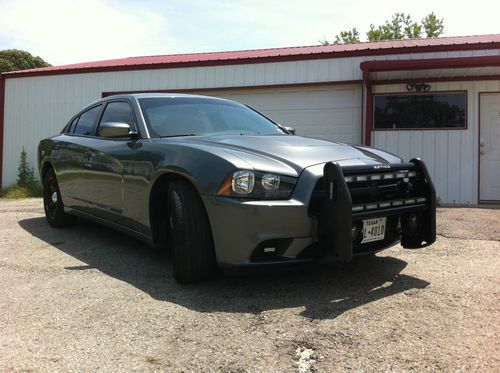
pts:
[2, 114]
[367, 84]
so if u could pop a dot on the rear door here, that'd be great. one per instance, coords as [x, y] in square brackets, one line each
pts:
[75, 159]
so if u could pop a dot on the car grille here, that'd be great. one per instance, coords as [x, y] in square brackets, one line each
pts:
[373, 190]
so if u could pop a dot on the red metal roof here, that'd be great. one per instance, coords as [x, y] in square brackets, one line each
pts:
[271, 55]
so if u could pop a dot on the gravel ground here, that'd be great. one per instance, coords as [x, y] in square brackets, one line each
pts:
[86, 298]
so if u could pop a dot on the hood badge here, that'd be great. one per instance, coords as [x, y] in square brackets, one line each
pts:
[381, 166]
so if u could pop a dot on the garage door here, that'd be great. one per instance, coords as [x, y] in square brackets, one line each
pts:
[329, 112]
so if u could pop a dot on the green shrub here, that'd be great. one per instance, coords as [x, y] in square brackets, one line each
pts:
[17, 192]
[25, 173]
[27, 185]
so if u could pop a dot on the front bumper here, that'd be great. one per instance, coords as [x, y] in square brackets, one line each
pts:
[248, 233]
[238, 227]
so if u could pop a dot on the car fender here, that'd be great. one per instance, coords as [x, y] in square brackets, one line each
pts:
[205, 169]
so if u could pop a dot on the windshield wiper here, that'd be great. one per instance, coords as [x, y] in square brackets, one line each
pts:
[187, 134]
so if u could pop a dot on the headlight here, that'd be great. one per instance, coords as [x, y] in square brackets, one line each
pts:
[257, 185]
[270, 182]
[242, 182]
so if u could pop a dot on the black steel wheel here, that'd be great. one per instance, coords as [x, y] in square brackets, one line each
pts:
[52, 202]
[192, 248]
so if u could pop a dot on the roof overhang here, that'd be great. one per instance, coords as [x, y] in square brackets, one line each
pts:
[478, 43]
[435, 69]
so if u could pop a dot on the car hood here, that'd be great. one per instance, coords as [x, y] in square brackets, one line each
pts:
[296, 151]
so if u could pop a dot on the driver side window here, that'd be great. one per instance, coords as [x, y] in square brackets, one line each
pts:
[119, 112]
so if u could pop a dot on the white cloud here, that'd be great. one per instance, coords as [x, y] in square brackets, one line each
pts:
[85, 30]
[82, 30]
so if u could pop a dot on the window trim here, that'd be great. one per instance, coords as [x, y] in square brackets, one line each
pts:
[73, 123]
[464, 128]
[66, 130]
[105, 105]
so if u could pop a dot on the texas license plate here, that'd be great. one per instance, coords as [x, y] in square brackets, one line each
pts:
[373, 230]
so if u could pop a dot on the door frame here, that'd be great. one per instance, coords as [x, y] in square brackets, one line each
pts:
[479, 200]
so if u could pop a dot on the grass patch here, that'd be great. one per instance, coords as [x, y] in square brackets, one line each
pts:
[18, 192]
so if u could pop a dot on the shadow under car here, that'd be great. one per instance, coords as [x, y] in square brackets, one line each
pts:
[324, 292]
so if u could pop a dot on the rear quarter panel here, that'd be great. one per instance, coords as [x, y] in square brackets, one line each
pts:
[64, 156]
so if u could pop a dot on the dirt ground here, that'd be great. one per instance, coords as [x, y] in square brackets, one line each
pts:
[86, 298]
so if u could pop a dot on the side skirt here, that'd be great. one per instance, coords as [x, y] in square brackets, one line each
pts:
[140, 236]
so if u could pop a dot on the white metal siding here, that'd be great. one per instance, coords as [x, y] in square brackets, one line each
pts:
[451, 155]
[37, 107]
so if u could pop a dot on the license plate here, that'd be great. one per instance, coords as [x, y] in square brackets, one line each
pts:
[373, 230]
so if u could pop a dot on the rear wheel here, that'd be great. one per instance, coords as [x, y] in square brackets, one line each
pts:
[52, 202]
[193, 253]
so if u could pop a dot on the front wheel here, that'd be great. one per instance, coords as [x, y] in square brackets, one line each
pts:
[193, 251]
[52, 202]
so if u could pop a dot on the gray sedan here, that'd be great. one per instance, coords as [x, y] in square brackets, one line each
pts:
[221, 185]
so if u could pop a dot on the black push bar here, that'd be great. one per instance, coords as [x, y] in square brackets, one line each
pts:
[335, 220]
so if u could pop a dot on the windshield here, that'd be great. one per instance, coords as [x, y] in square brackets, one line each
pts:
[188, 116]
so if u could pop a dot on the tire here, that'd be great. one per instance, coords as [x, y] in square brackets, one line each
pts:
[53, 204]
[412, 240]
[192, 247]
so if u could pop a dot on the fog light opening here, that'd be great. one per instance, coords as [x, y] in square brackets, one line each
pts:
[355, 232]
[413, 222]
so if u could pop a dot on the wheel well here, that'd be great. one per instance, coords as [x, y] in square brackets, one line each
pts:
[45, 168]
[158, 208]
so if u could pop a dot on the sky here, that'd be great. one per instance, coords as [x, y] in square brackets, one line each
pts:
[64, 32]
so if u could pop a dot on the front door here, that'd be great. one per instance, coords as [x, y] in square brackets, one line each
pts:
[489, 147]
[103, 174]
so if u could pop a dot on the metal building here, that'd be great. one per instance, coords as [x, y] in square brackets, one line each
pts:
[438, 99]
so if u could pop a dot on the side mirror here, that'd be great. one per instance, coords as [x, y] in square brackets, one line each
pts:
[289, 129]
[115, 129]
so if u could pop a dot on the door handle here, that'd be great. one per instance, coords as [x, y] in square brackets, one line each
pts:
[86, 159]
[482, 146]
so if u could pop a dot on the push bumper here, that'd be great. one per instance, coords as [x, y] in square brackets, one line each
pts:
[414, 225]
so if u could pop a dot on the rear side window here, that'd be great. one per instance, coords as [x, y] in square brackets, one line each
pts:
[72, 125]
[87, 121]
[120, 112]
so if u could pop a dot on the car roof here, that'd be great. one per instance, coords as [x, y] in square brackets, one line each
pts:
[160, 95]
[153, 95]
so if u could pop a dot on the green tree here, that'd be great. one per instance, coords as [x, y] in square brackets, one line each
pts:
[401, 26]
[345, 37]
[432, 25]
[15, 59]
[25, 172]
[27, 185]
